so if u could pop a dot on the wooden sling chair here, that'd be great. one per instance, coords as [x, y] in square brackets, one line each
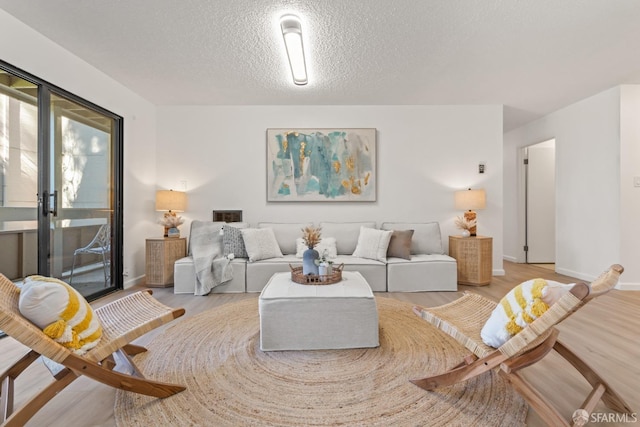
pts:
[122, 321]
[464, 318]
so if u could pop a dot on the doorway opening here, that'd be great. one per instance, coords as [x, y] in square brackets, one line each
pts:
[540, 203]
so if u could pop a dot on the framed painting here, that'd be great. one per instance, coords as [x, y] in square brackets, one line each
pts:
[321, 165]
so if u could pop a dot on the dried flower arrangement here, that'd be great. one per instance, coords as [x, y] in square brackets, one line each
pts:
[311, 236]
[171, 221]
[464, 224]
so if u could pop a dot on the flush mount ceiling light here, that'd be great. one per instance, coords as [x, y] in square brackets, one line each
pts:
[292, 34]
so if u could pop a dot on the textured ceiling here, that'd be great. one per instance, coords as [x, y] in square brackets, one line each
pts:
[533, 56]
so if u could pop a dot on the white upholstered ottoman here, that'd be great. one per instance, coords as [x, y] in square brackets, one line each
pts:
[308, 317]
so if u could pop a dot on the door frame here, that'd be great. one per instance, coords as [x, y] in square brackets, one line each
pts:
[45, 89]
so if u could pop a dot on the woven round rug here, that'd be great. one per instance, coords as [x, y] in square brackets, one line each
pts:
[231, 382]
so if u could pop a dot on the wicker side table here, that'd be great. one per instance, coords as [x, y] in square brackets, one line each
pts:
[474, 256]
[160, 255]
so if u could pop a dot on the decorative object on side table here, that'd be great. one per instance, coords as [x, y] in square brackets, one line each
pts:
[470, 200]
[311, 237]
[171, 202]
[465, 225]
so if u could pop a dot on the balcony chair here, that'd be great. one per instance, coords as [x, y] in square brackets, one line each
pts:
[99, 245]
[122, 321]
[464, 318]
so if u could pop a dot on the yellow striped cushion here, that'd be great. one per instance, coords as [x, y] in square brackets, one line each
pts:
[521, 306]
[61, 312]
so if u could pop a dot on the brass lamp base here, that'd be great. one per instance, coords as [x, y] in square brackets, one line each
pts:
[471, 216]
[167, 215]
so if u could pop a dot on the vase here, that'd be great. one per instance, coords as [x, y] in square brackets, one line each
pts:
[173, 232]
[309, 258]
[323, 269]
[466, 233]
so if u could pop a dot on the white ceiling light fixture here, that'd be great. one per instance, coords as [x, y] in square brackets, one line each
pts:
[292, 33]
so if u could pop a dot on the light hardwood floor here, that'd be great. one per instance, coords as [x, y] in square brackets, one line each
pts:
[606, 333]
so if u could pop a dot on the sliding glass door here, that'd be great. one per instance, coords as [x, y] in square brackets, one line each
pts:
[19, 153]
[61, 186]
[80, 195]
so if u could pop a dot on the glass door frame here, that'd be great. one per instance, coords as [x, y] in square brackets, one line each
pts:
[44, 206]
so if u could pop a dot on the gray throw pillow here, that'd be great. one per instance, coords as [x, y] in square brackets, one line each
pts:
[400, 244]
[233, 242]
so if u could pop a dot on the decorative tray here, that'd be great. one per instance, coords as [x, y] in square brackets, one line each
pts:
[313, 279]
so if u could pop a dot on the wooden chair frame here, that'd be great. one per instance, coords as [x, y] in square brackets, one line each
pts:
[464, 318]
[122, 321]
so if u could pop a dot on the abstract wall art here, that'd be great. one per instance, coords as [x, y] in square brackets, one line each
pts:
[330, 165]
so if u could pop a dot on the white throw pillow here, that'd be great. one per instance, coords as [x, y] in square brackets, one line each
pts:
[521, 306]
[260, 243]
[373, 244]
[61, 312]
[327, 244]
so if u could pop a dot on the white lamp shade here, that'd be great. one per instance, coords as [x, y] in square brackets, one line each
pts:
[470, 199]
[169, 200]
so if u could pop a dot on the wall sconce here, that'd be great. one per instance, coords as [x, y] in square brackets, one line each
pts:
[469, 200]
[292, 34]
[170, 202]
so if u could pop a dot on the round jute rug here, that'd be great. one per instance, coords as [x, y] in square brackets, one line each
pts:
[230, 382]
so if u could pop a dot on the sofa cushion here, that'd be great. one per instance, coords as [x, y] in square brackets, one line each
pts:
[286, 234]
[422, 273]
[327, 245]
[373, 244]
[233, 242]
[260, 243]
[400, 244]
[346, 234]
[426, 236]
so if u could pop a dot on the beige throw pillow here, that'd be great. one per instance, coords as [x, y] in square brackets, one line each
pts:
[400, 244]
[260, 243]
[373, 244]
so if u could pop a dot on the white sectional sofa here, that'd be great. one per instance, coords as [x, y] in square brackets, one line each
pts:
[428, 268]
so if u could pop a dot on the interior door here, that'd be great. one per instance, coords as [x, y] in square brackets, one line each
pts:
[540, 203]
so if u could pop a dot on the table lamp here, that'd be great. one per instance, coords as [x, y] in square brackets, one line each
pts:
[170, 202]
[469, 200]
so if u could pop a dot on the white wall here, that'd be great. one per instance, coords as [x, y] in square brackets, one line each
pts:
[425, 153]
[27, 49]
[630, 195]
[588, 208]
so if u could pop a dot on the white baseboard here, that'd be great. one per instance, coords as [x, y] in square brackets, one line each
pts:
[133, 281]
[628, 286]
[498, 272]
[509, 258]
[577, 275]
[588, 278]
